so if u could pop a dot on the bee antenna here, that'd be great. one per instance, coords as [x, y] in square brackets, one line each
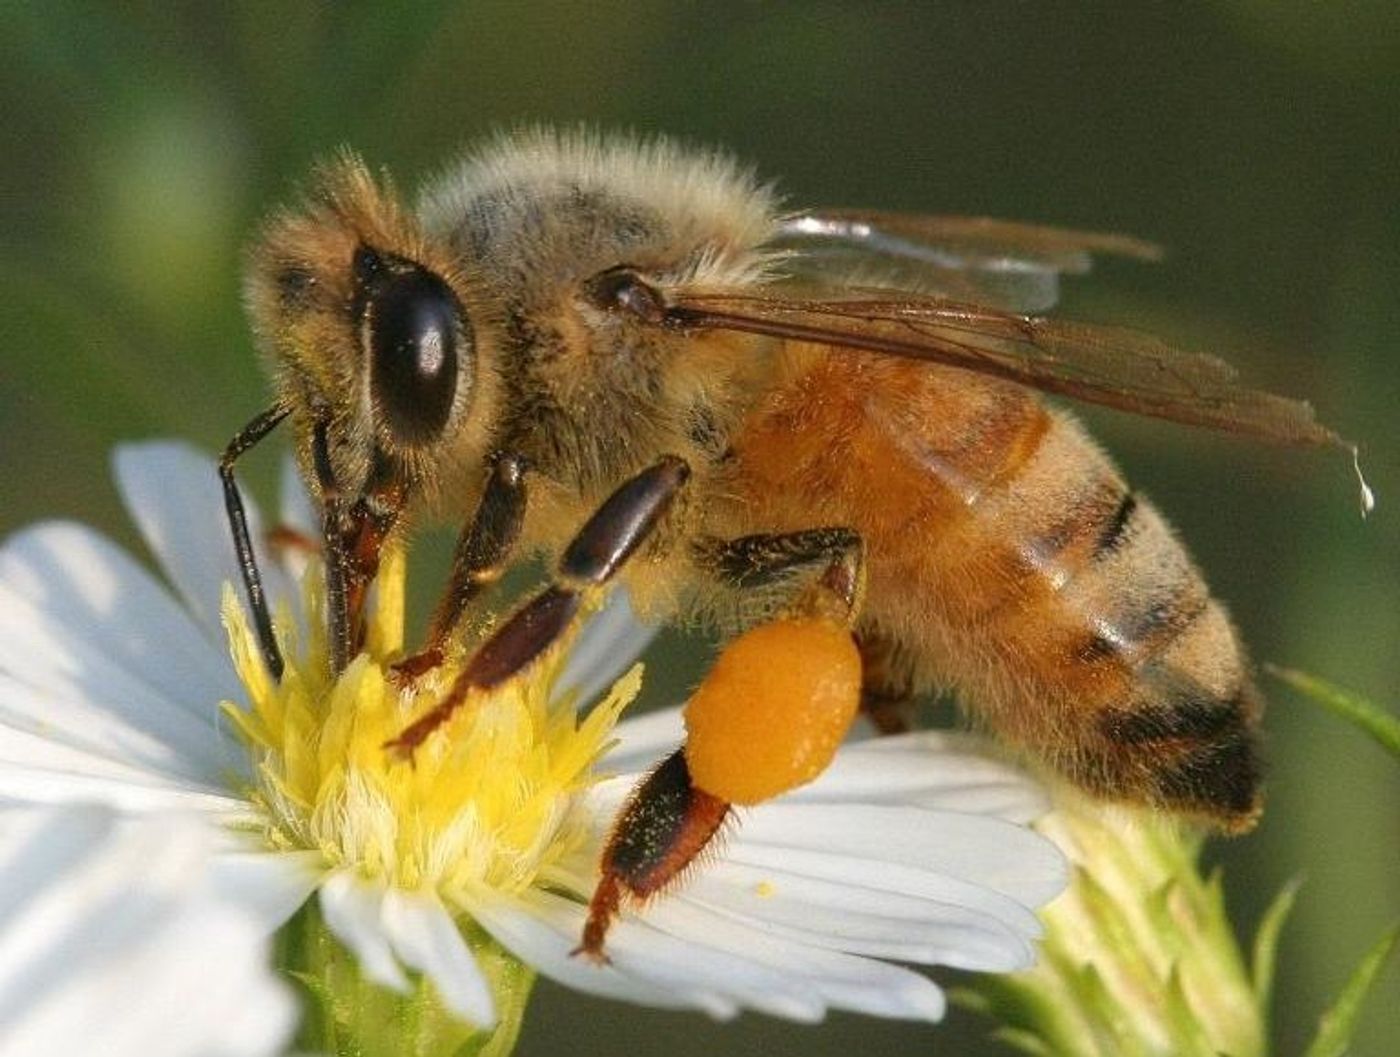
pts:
[245, 438]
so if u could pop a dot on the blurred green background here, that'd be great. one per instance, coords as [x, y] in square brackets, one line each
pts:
[1256, 139]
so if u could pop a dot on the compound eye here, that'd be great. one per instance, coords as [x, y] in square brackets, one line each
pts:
[414, 325]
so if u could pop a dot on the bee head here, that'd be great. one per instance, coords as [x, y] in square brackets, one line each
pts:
[370, 331]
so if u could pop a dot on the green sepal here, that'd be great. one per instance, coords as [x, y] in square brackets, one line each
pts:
[347, 1015]
[1338, 1024]
[1026, 1041]
[1265, 954]
[1376, 721]
[1187, 1036]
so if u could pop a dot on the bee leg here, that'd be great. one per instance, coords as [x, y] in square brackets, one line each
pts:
[766, 561]
[246, 437]
[886, 692]
[478, 561]
[284, 540]
[666, 823]
[592, 558]
[354, 530]
[763, 561]
[767, 718]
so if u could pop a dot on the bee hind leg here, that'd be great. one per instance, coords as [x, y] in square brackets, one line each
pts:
[667, 822]
[608, 538]
[887, 686]
[768, 562]
[767, 718]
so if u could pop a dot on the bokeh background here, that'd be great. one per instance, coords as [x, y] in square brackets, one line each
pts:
[1257, 139]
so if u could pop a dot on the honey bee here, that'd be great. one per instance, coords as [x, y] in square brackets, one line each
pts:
[625, 356]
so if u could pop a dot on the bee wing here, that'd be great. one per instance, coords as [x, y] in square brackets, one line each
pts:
[997, 262]
[1112, 366]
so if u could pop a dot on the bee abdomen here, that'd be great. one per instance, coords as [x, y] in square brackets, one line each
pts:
[1145, 692]
[1008, 560]
[1137, 592]
[1180, 726]
[1190, 748]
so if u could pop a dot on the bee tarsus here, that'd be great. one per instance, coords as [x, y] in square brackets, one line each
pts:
[245, 438]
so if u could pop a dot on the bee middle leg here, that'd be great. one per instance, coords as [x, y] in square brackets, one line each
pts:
[767, 718]
[608, 538]
[482, 550]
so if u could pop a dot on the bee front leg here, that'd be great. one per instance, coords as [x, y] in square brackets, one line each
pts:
[611, 536]
[479, 559]
[768, 718]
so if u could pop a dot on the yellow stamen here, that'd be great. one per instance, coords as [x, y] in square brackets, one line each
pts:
[489, 801]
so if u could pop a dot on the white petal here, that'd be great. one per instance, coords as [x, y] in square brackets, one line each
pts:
[860, 919]
[925, 883]
[34, 849]
[240, 1009]
[948, 770]
[97, 600]
[981, 850]
[272, 886]
[106, 935]
[296, 513]
[608, 645]
[172, 492]
[720, 981]
[354, 913]
[987, 851]
[82, 623]
[427, 939]
[684, 942]
[65, 896]
[147, 734]
[542, 930]
[39, 770]
[34, 788]
[25, 743]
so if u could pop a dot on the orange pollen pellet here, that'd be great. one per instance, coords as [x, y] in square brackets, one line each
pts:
[773, 710]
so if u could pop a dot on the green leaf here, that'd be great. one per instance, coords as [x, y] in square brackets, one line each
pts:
[1265, 955]
[1369, 717]
[1337, 1025]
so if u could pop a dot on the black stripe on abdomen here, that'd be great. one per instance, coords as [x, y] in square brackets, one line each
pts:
[1185, 712]
[1116, 528]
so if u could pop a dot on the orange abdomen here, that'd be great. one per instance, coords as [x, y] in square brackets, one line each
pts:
[1008, 559]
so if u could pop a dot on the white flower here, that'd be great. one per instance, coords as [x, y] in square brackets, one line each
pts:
[106, 926]
[908, 850]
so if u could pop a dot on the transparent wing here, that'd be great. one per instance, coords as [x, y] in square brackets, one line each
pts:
[1112, 366]
[996, 262]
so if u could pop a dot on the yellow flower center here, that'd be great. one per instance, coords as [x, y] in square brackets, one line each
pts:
[489, 802]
